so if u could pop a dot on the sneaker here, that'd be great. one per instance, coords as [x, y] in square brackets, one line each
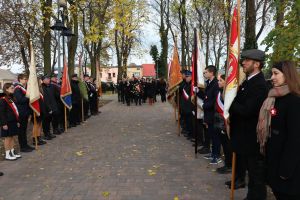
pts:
[215, 161]
[13, 153]
[208, 157]
[1, 173]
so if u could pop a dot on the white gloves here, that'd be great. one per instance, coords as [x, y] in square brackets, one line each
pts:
[196, 89]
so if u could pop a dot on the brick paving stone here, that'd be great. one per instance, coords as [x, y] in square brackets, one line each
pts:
[125, 153]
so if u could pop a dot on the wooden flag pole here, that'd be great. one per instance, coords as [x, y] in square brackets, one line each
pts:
[82, 110]
[195, 85]
[178, 109]
[35, 130]
[66, 124]
[234, 154]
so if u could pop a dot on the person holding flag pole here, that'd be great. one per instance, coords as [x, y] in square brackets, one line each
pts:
[241, 109]
[198, 64]
[33, 93]
[66, 92]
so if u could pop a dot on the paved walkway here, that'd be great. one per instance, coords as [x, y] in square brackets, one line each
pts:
[125, 153]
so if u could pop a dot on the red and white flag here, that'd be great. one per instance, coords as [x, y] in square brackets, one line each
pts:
[33, 92]
[232, 73]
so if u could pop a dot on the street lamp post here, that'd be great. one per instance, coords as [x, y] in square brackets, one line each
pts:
[62, 30]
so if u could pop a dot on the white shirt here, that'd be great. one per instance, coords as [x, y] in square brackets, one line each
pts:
[251, 76]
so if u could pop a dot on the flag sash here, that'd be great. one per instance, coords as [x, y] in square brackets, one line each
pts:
[13, 106]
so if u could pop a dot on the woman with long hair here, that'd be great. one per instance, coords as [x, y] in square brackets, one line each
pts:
[9, 123]
[278, 131]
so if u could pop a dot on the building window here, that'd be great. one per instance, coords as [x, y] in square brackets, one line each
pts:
[138, 68]
[114, 75]
[100, 75]
[109, 75]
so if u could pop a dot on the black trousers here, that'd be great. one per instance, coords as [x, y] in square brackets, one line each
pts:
[281, 196]
[75, 114]
[127, 99]
[56, 117]
[22, 135]
[163, 97]
[138, 100]
[199, 133]
[46, 123]
[86, 107]
[207, 139]
[188, 121]
[255, 165]
[226, 148]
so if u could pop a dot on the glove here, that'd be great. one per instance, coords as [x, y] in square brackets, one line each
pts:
[196, 89]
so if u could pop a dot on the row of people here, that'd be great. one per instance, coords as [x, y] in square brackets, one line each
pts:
[139, 90]
[15, 111]
[263, 126]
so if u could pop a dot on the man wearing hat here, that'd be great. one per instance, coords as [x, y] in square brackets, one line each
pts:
[244, 113]
[61, 117]
[51, 108]
[181, 86]
[75, 113]
[186, 106]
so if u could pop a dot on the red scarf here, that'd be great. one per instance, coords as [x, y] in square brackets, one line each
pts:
[13, 106]
[21, 88]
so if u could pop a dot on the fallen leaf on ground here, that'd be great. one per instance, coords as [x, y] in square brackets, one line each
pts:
[79, 153]
[176, 198]
[151, 172]
[105, 194]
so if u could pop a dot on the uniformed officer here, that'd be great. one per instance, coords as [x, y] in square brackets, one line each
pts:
[75, 113]
[244, 113]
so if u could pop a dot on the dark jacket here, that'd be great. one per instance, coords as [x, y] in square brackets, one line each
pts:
[50, 99]
[76, 98]
[219, 122]
[6, 113]
[209, 100]
[187, 105]
[282, 151]
[244, 113]
[22, 102]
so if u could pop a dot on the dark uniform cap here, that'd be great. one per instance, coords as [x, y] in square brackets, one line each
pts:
[188, 73]
[86, 75]
[74, 75]
[45, 76]
[183, 71]
[253, 54]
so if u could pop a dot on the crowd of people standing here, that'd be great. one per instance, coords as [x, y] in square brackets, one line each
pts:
[138, 91]
[15, 112]
[262, 130]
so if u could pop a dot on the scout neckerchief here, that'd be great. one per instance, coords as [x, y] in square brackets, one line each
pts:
[13, 106]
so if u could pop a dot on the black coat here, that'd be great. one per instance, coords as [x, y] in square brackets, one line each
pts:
[76, 98]
[244, 112]
[209, 100]
[49, 98]
[7, 115]
[57, 89]
[282, 151]
[187, 105]
[22, 103]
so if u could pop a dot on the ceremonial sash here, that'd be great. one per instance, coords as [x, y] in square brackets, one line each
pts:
[220, 104]
[13, 106]
[21, 88]
[185, 95]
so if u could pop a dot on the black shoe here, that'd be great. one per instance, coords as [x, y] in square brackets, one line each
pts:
[47, 136]
[204, 150]
[30, 147]
[237, 185]
[52, 136]
[1, 174]
[25, 150]
[56, 132]
[40, 141]
[72, 125]
[224, 170]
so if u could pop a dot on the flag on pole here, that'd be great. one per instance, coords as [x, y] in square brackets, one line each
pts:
[66, 91]
[198, 66]
[232, 73]
[174, 71]
[33, 92]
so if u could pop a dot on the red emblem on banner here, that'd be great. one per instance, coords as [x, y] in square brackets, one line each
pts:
[273, 112]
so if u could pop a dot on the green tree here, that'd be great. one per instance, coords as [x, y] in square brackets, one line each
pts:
[155, 56]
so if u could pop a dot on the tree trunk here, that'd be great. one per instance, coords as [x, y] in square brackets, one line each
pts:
[72, 45]
[24, 58]
[250, 35]
[46, 5]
